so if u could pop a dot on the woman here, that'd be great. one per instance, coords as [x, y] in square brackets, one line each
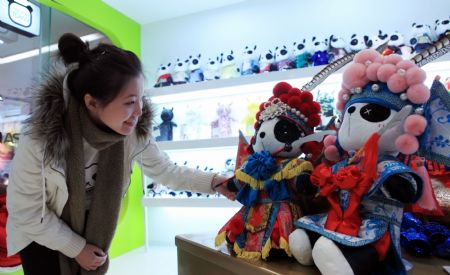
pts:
[73, 164]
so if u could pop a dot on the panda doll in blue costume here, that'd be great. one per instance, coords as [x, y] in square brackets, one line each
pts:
[386, 110]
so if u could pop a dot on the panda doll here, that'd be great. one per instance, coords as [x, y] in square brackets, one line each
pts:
[383, 114]
[269, 182]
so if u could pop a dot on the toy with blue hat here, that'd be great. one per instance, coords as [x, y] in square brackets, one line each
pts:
[387, 110]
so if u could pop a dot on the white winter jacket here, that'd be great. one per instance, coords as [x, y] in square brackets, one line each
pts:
[37, 192]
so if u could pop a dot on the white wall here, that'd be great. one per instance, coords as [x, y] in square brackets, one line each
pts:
[272, 23]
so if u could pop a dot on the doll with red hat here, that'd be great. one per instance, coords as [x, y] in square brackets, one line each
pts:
[386, 110]
[269, 182]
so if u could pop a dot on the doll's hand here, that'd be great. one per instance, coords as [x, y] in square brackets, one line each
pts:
[219, 184]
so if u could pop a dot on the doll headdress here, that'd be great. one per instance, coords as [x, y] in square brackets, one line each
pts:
[292, 104]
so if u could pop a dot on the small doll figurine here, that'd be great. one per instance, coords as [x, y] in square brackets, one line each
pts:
[384, 112]
[267, 62]
[250, 63]
[211, 71]
[221, 127]
[164, 76]
[421, 37]
[442, 27]
[397, 45]
[196, 72]
[320, 55]
[167, 125]
[337, 48]
[301, 54]
[375, 41]
[180, 72]
[268, 182]
[228, 66]
[357, 43]
[283, 59]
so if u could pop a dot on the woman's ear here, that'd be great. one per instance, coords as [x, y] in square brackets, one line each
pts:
[90, 102]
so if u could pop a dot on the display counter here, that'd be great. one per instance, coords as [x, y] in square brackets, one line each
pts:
[197, 255]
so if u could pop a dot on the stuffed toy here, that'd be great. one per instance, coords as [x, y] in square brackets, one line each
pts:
[357, 43]
[193, 124]
[376, 41]
[228, 168]
[302, 55]
[166, 126]
[222, 126]
[421, 37]
[196, 72]
[442, 27]
[212, 71]
[228, 68]
[269, 181]
[250, 63]
[164, 76]
[396, 44]
[338, 48]
[267, 62]
[283, 59]
[320, 54]
[384, 112]
[180, 73]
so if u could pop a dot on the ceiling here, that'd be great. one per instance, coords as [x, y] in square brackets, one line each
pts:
[148, 11]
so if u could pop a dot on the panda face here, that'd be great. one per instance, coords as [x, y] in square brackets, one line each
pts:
[442, 27]
[181, 66]
[300, 48]
[357, 43]
[213, 64]
[280, 137]
[396, 39]
[227, 60]
[337, 42]
[249, 53]
[194, 62]
[360, 121]
[281, 53]
[266, 58]
[163, 69]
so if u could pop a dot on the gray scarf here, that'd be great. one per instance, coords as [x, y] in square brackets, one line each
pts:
[99, 226]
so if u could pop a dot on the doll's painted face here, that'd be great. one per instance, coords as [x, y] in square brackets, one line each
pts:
[122, 114]
[360, 121]
[280, 137]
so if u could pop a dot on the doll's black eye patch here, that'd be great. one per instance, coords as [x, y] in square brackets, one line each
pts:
[374, 112]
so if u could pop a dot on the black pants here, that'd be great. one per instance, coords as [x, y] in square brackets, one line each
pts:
[39, 260]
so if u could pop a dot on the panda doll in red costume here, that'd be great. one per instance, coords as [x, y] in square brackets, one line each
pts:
[384, 112]
[269, 182]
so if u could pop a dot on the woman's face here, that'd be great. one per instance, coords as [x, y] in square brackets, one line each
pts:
[121, 114]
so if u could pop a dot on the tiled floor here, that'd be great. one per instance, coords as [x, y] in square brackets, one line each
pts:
[157, 260]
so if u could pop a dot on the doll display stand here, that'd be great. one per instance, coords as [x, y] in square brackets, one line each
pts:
[198, 255]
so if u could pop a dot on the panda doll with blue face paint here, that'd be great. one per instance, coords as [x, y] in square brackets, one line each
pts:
[269, 182]
[383, 103]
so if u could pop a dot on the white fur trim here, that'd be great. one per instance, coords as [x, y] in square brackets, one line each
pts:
[300, 247]
[329, 258]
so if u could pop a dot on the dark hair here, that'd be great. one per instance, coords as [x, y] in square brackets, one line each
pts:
[102, 71]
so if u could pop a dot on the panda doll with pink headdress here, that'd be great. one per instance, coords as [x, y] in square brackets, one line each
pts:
[385, 112]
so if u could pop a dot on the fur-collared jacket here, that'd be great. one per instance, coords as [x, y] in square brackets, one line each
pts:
[37, 190]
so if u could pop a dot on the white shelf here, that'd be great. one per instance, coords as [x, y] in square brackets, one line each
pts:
[188, 202]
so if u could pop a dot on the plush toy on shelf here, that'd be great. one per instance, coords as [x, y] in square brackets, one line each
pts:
[228, 68]
[386, 110]
[396, 44]
[377, 40]
[180, 73]
[421, 37]
[357, 43]
[267, 62]
[164, 76]
[250, 63]
[212, 71]
[338, 48]
[166, 126]
[195, 69]
[283, 59]
[302, 55]
[271, 179]
[442, 27]
[320, 54]
[222, 126]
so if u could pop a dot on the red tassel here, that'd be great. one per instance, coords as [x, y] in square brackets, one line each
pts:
[370, 160]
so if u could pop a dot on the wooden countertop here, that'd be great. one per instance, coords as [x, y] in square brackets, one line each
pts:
[197, 252]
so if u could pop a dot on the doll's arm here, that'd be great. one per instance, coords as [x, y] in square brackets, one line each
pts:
[304, 185]
[401, 188]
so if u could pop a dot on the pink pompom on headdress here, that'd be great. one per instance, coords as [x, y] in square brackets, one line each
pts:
[402, 77]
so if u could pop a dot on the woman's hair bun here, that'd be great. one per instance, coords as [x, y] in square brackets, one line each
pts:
[71, 47]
